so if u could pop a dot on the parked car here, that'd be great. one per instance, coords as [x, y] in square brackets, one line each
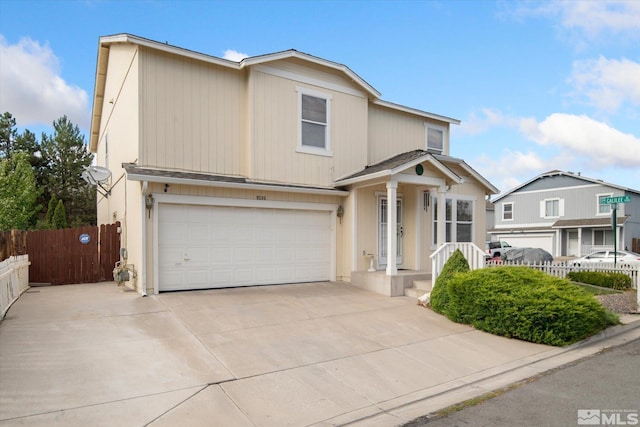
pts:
[497, 249]
[622, 258]
[527, 255]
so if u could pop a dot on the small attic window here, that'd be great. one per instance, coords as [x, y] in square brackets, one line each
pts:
[435, 138]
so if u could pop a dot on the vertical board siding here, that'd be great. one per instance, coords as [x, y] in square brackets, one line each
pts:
[197, 110]
[274, 138]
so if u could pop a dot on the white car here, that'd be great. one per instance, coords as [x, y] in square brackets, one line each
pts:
[622, 258]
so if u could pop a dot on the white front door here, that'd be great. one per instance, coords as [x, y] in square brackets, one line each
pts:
[382, 231]
[572, 243]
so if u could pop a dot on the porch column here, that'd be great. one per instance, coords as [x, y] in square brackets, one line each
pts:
[442, 215]
[392, 228]
[579, 241]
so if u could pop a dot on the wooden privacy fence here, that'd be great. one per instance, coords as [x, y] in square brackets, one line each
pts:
[635, 245]
[73, 255]
[12, 243]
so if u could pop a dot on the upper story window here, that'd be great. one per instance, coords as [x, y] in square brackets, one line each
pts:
[603, 209]
[507, 211]
[435, 136]
[552, 208]
[314, 113]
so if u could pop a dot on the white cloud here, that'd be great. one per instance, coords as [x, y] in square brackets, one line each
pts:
[596, 142]
[608, 83]
[31, 87]
[510, 168]
[583, 21]
[233, 55]
[485, 120]
[595, 17]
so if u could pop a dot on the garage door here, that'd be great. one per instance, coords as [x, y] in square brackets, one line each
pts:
[201, 247]
[543, 242]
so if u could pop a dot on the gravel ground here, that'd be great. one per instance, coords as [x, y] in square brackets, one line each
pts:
[623, 303]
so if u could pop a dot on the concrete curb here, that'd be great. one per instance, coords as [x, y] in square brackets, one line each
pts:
[406, 408]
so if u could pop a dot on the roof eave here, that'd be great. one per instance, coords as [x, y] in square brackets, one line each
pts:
[249, 185]
[416, 112]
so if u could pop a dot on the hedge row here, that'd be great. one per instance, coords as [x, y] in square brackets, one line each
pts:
[518, 302]
[600, 278]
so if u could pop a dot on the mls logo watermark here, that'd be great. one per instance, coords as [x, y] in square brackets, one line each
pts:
[608, 417]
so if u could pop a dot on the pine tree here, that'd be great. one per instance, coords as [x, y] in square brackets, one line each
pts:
[51, 208]
[66, 155]
[60, 216]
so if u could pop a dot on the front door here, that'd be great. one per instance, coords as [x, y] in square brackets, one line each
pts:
[572, 243]
[382, 231]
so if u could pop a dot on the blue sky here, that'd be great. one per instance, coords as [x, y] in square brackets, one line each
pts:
[537, 85]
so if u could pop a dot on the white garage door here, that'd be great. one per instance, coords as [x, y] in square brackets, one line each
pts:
[201, 247]
[543, 242]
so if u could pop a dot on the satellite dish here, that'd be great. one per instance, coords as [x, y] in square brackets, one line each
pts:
[97, 175]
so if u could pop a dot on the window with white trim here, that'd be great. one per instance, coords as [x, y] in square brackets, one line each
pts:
[603, 209]
[552, 208]
[314, 123]
[435, 136]
[458, 220]
[507, 211]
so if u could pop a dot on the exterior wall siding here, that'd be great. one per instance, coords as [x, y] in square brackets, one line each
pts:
[274, 134]
[192, 114]
[392, 132]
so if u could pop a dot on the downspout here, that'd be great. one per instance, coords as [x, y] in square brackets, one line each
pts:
[143, 266]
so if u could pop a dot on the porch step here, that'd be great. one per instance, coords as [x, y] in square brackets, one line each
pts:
[420, 287]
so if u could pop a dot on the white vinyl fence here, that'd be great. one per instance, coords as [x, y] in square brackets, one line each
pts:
[561, 269]
[14, 280]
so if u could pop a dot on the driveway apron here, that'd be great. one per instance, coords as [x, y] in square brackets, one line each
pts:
[301, 354]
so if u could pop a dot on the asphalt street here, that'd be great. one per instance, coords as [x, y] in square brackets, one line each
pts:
[603, 389]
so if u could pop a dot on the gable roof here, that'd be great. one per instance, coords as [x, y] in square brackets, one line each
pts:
[106, 41]
[568, 174]
[401, 162]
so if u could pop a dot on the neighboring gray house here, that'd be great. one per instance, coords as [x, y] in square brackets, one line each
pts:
[561, 213]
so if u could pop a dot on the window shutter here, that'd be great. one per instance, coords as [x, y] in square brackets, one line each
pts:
[542, 206]
[561, 207]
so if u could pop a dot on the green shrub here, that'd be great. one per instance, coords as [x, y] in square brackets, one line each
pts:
[523, 303]
[600, 278]
[439, 298]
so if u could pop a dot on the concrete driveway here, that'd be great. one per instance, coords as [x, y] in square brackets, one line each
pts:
[303, 354]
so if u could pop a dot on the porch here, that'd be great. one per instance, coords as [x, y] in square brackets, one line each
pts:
[392, 286]
[416, 283]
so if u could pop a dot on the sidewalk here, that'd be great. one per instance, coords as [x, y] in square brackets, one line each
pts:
[307, 354]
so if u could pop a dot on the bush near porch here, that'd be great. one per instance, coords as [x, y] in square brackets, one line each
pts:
[522, 303]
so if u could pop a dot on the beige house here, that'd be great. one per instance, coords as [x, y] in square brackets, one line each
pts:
[277, 169]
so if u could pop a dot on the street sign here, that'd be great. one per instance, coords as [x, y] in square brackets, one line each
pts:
[617, 199]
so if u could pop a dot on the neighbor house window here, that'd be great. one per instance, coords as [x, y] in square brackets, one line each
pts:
[603, 209]
[603, 237]
[435, 138]
[552, 208]
[314, 122]
[507, 211]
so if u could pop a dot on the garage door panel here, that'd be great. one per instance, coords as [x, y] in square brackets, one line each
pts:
[237, 246]
[199, 278]
[264, 255]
